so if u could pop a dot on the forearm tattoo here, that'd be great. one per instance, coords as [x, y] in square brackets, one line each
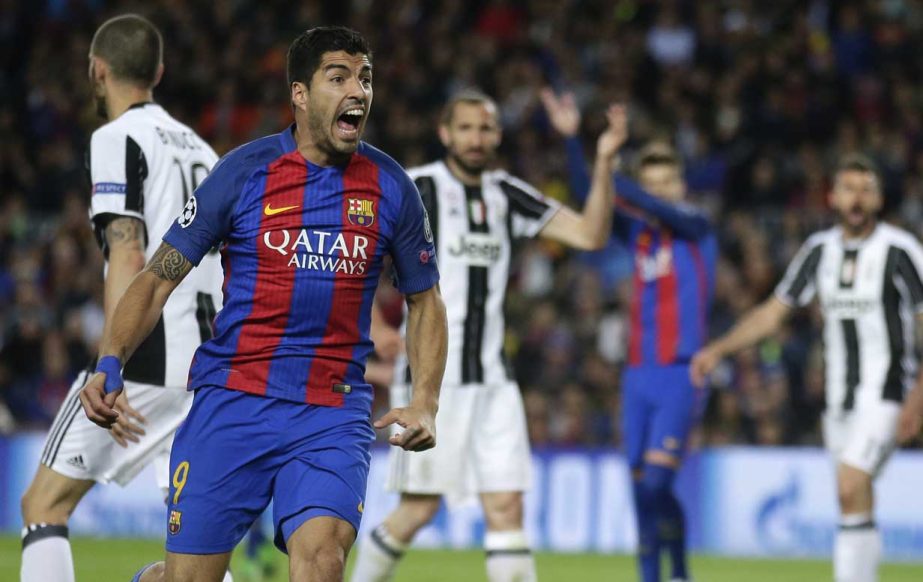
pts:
[168, 263]
[124, 229]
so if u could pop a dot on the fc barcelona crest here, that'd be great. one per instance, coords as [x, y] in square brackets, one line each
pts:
[360, 212]
[175, 521]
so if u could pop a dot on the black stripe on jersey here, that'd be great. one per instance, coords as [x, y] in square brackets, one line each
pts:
[891, 298]
[473, 337]
[911, 277]
[848, 268]
[205, 316]
[135, 174]
[851, 340]
[805, 274]
[523, 203]
[427, 187]
[148, 365]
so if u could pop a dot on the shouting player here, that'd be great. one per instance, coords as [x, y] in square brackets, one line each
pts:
[674, 253]
[143, 165]
[867, 278]
[281, 410]
[476, 213]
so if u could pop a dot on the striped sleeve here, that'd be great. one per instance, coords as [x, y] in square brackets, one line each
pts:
[798, 286]
[908, 269]
[118, 169]
[529, 210]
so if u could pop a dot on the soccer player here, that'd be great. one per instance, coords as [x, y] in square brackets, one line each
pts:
[143, 165]
[476, 213]
[675, 252]
[866, 276]
[281, 410]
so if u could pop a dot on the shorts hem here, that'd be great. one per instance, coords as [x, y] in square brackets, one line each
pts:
[77, 475]
[281, 539]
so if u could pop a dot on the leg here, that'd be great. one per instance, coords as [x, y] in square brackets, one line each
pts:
[187, 568]
[380, 554]
[857, 549]
[318, 549]
[509, 557]
[46, 507]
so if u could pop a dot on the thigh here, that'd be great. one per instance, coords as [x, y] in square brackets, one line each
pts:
[222, 469]
[324, 474]
[635, 416]
[675, 405]
[871, 437]
[325, 537]
[500, 439]
[444, 468]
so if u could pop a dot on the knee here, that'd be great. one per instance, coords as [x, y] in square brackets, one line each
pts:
[853, 493]
[504, 512]
[321, 561]
[420, 512]
[40, 506]
[657, 480]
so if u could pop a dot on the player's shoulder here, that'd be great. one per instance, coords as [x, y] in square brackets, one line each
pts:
[898, 236]
[390, 172]
[431, 170]
[508, 183]
[822, 237]
[251, 156]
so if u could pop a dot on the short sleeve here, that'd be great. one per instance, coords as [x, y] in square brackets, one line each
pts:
[798, 286]
[118, 169]
[207, 217]
[908, 269]
[529, 210]
[412, 250]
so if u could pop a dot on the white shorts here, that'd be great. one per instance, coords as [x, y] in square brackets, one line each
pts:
[864, 437]
[482, 444]
[77, 448]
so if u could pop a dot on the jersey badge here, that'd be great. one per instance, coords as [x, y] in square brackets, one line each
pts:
[175, 521]
[360, 212]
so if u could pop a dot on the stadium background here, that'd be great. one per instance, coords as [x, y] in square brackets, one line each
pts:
[759, 97]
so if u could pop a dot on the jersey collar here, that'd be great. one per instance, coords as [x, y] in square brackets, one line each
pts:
[288, 139]
[139, 105]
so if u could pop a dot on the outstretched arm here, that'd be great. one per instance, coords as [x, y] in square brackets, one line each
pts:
[756, 324]
[911, 419]
[134, 318]
[682, 220]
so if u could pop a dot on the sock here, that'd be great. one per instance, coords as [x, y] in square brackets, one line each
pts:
[509, 558]
[857, 549]
[227, 577]
[673, 536]
[651, 493]
[139, 573]
[378, 557]
[46, 554]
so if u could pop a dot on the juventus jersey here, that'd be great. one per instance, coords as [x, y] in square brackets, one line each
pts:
[869, 292]
[145, 165]
[473, 228]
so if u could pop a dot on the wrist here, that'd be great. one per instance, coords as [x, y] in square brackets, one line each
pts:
[427, 403]
[111, 366]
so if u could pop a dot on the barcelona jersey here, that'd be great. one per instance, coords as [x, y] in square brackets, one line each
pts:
[302, 248]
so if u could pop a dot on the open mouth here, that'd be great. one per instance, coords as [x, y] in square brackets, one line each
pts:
[348, 122]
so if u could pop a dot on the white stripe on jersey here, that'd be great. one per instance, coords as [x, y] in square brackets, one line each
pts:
[869, 292]
[146, 165]
[473, 228]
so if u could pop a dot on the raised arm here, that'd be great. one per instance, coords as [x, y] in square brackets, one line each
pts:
[682, 220]
[133, 319]
[590, 229]
[427, 341]
[756, 324]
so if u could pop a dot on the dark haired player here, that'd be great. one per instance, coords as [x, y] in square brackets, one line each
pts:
[143, 165]
[281, 410]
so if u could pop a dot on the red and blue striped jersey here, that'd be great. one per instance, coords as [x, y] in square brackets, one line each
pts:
[302, 248]
[675, 254]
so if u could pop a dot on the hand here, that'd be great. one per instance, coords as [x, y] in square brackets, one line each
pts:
[124, 430]
[908, 424]
[419, 428]
[703, 363]
[616, 134]
[562, 112]
[99, 406]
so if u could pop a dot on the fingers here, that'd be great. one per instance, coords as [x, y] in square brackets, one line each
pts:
[96, 404]
[388, 419]
[122, 406]
[549, 99]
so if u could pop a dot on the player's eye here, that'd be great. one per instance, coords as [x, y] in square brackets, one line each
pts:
[337, 79]
[366, 81]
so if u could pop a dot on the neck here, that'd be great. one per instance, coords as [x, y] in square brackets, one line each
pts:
[464, 176]
[121, 97]
[859, 233]
[311, 151]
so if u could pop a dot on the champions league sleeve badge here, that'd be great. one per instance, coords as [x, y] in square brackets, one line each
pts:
[188, 214]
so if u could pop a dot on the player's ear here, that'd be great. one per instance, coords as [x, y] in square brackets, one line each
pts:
[444, 134]
[98, 69]
[300, 96]
[158, 76]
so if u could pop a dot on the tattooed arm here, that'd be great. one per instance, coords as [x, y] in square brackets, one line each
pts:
[134, 318]
[125, 242]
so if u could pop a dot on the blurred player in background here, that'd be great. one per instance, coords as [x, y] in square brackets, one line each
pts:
[281, 410]
[143, 166]
[867, 278]
[675, 253]
[476, 213]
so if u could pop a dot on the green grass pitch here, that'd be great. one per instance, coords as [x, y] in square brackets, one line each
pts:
[117, 560]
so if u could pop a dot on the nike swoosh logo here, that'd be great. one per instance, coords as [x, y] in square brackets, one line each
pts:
[270, 211]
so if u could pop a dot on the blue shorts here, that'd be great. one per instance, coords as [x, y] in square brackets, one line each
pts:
[236, 451]
[660, 405]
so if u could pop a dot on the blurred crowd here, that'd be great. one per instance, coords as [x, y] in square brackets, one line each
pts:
[760, 98]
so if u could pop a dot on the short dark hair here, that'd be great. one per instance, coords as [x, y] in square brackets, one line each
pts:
[658, 153]
[306, 51]
[471, 95]
[859, 163]
[132, 47]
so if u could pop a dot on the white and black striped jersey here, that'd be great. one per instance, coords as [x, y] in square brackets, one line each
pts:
[869, 292]
[474, 227]
[145, 164]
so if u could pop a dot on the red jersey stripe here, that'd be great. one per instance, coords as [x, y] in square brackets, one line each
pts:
[335, 352]
[269, 309]
[667, 312]
[635, 356]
